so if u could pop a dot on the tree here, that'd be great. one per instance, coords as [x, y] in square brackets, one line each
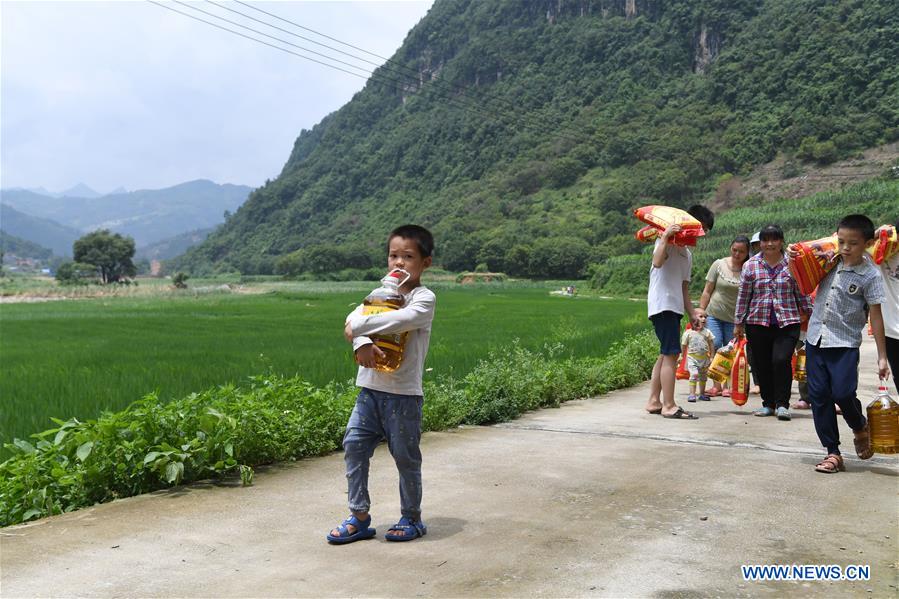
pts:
[110, 253]
[180, 280]
[75, 273]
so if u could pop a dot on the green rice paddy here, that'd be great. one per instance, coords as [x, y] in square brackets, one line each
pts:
[76, 358]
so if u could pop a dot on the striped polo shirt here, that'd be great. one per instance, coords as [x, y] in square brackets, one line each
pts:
[841, 306]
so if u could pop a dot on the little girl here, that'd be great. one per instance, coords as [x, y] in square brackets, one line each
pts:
[699, 343]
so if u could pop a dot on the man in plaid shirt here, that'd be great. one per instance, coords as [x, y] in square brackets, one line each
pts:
[769, 311]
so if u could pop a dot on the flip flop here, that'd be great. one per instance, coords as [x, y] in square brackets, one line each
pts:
[412, 529]
[363, 531]
[681, 414]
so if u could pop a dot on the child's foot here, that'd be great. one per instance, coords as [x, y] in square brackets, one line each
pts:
[863, 444]
[704, 397]
[691, 398]
[783, 414]
[352, 529]
[832, 464]
[407, 529]
[726, 393]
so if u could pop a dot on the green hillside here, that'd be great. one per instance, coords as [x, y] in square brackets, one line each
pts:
[41, 231]
[524, 132]
[22, 248]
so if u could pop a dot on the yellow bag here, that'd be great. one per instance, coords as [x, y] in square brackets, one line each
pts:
[722, 364]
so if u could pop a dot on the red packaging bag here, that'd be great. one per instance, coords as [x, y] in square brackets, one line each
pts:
[650, 233]
[814, 261]
[885, 245]
[662, 217]
[739, 376]
[682, 373]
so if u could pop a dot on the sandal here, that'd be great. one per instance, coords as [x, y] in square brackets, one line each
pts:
[681, 414]
[363, 531]
[832, 464]
[692, 398]
[713, 392]
[704, 397]
[726, 393]
[863, 444]
[411, 529]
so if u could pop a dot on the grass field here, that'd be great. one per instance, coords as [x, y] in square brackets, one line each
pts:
[79, 357]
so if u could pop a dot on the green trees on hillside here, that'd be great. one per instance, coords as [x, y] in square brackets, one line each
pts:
[554, 120]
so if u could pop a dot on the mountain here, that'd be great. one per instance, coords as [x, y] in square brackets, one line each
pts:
[523, 133]
[21, 248]
[173, 246]
[41, 231]
[79, 191]
[149, 215]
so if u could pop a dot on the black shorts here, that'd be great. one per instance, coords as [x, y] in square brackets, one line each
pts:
[667, 326]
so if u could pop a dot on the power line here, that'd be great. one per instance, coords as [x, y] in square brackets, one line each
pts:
[190, 6]
[374, 76]
[253, 39]
[511, 107]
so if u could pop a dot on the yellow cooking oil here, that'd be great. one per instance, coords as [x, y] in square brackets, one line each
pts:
[883, 422]
[387, 298]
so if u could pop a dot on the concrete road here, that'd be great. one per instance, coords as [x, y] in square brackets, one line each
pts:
[596, 498]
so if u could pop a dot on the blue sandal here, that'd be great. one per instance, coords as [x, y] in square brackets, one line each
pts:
[363, 531]
[412, 529]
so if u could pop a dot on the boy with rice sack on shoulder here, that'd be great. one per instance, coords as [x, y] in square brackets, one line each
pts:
[668, 299]
[846, 295]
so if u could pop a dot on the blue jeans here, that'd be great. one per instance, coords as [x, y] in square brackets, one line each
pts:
[833, 381]
[397, 418]
[721, 330]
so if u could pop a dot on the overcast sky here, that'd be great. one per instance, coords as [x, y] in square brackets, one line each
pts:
[131, 94]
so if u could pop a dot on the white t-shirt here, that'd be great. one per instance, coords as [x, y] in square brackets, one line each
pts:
[890, 308]
[666, 283]
[414, 317]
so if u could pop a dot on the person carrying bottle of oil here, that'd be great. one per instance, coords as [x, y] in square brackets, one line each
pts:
[846, 295]
[390, 397]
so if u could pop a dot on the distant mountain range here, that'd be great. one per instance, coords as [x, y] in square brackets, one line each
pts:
[150, 216]
[41, 231]
[78, 191]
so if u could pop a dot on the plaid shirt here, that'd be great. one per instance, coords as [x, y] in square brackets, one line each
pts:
[760, 291]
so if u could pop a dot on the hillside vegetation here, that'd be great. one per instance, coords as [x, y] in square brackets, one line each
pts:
[524, 132]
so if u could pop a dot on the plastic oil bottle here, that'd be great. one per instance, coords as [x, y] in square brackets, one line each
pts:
[386, 298]
[883, 422]
[799, 372]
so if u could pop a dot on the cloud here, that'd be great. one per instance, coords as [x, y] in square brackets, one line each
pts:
[128, 93]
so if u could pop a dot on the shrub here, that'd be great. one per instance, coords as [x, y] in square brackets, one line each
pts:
[76, 273]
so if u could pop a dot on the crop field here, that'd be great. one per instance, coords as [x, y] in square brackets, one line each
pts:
[76, 358]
